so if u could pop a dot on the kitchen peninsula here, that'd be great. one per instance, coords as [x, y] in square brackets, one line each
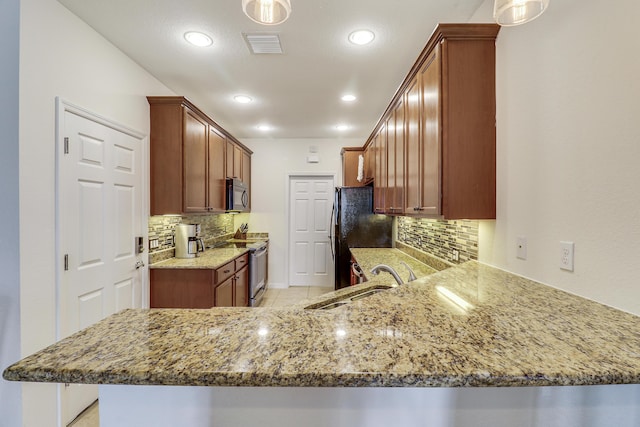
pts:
[471, 343]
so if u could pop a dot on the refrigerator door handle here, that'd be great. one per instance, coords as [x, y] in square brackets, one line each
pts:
[331, 231]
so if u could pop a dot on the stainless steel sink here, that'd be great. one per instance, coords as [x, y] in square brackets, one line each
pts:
[348, 298]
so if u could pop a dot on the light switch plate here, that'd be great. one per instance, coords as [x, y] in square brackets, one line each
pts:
[521, 247]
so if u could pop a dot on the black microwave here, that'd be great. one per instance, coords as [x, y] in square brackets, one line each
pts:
[237, 195]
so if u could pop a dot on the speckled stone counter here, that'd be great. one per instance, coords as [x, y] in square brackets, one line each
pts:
[370, 257]
[209, 259]
[467, 326]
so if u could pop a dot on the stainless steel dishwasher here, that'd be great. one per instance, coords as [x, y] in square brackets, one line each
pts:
[257, 272]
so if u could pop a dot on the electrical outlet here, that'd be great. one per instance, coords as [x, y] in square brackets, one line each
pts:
[521, 248]
[455, 255]
[566, 255]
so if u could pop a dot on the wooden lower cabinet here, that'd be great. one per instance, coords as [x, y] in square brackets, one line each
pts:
[226, 286]
[224, 293]
[241, 288]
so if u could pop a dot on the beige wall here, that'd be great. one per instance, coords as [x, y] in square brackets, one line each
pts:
[60, 56]
[273, 160]
[10, 399]
[568, 149]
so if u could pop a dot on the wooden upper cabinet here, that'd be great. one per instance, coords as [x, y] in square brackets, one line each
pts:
[369, 163]
[449, 150]
[398, 158]
[195, 162]
[423, 140]
[188, 162]
[412, 146]
[245, 174]
[380, 180]
[389, 198]
[234, 160]
[350, 161]
[217, 174]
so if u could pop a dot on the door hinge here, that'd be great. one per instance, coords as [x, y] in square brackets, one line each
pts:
[66, 262]
[66, 145]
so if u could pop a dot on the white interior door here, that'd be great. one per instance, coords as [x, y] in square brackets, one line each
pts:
[100, 208]
[310, 203]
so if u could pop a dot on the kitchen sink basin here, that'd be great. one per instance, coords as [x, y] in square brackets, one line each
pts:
[348, 298]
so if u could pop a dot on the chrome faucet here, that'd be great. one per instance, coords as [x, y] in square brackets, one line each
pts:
[412, 275]
[383, 267]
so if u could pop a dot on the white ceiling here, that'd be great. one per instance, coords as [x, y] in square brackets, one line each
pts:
[298, 92]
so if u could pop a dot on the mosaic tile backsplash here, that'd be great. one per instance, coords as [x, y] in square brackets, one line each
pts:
[213, 228]
[440, 238]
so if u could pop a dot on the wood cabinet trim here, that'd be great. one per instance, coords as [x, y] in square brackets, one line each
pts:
[441, 32]
[184, 101]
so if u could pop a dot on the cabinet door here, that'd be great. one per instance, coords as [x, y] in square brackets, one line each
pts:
[229, 157]
[181, 288]
[389, 198]
[368, 163]
[431, 99]
[234, 160]
[412, 148]
[246, 173]
[216, 175]
[380, 191]
[241, 284]
[224, 293]
[398, 194]
[195, 162]
[350, 161]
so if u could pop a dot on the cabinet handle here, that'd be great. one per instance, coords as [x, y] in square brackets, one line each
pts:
[226, 271]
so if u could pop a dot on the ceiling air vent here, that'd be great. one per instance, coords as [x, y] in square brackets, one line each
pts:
[263, 43]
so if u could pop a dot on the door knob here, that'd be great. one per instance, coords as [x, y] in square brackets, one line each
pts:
[139, 264]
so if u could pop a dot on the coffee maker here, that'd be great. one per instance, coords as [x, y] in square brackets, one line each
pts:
[188, 241]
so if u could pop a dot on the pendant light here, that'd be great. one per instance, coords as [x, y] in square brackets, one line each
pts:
[515, 12]
[267, 12]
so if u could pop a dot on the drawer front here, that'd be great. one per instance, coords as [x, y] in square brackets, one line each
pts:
[224, 272]
[241, 261]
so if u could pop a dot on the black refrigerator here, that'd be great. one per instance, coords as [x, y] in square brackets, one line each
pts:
[354, 225]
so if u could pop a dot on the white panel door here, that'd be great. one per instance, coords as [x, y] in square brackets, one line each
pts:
[100, 208]
[311, 200]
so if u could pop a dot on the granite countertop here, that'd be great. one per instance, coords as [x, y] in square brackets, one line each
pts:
[209, 259]
[467, 326]
[368, 258]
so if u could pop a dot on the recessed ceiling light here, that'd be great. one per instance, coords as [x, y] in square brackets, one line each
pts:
[342, 127]
[361, 37]
[198, 39]
[264, 128]
[242, 99]
[348, 98]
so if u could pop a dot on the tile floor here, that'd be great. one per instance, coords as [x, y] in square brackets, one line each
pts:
[274, 297]
[89, 418]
